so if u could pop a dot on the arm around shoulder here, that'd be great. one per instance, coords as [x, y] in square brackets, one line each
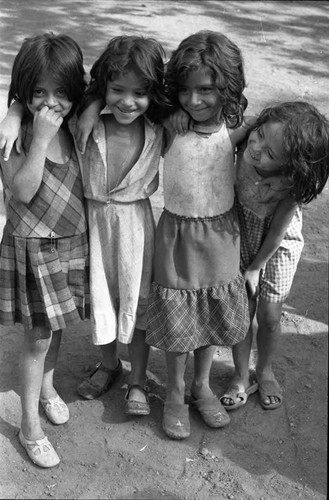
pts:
[239, 134]
[10, 129]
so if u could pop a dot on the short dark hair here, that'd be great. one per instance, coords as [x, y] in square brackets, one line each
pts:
[58, 54]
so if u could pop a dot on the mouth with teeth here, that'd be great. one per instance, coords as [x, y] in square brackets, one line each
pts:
[252, 155]
[125, 112]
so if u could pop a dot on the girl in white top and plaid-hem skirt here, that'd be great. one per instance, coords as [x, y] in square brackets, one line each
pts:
[198, 298]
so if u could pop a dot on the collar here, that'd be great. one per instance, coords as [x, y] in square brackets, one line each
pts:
[207, 129]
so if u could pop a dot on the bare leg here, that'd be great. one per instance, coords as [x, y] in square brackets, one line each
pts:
[241, 355]
[36, 345]
[47, 388]
[138, 354]
[109, 360]
[176, 365]
[203, 358]
[268, 335]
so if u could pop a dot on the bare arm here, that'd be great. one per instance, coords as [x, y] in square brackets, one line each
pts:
[279, 224]
[239, 134]
[23, 173]
[10, 130]
[87, 121]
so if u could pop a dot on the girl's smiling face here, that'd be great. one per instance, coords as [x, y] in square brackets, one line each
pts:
[48, 92]
[199, 97]
[265, 149]
[127, 98]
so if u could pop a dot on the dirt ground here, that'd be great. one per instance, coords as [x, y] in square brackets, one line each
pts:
[262, 455]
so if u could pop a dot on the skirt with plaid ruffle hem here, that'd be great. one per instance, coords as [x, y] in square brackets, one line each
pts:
[198, 294]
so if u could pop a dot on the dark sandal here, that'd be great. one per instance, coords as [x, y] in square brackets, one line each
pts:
[134, 407]
[175, 420]
[89, 390]
[212, 411]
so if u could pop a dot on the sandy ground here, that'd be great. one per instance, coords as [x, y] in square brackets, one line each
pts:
[261, 455]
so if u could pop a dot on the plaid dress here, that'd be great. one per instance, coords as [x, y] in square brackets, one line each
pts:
[256, 206]
[44, 251]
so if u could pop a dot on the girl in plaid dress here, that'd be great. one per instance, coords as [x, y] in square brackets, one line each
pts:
[289, 141]
[44, 248]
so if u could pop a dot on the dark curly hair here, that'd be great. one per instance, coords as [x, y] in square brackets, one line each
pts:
[144, 56]
[305, 145]
[216, 52]
[58, 54]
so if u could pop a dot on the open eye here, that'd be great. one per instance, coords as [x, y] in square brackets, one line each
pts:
[205, 90]
[38, 92]
[61, 92]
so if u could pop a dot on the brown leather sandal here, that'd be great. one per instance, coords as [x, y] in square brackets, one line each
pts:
[90, 390]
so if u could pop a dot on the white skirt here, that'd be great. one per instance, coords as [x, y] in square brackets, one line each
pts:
[121, 239]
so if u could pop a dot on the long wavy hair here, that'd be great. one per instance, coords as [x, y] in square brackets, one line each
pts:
[215, 52]
[58, 55]
[145, 57]
[305, 146]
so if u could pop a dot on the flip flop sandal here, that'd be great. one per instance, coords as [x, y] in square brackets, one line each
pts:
[90, 390]
[175, 420]
[134, 407]
[239, 395]
[212, 411]
[268, 388]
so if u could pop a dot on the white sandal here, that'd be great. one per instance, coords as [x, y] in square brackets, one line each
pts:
[56, 410]
[40, 451]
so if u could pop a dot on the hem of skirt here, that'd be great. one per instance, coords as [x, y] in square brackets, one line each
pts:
[184, 320]
[29, 323]
[274, 300]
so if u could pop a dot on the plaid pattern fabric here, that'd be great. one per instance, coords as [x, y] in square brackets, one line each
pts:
[280, 270]
[198, 295]
[43, 282]
[184, 320]
[44, 251]
[57, 207]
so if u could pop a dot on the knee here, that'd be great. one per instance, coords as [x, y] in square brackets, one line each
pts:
[36, 344]
[269, 316]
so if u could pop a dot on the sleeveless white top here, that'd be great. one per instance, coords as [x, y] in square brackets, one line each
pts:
[198, 174]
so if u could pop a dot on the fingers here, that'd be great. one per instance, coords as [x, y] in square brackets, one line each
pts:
[82, 141]
[18, 143]
[8, 146]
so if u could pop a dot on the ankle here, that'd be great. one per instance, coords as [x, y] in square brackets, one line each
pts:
[201, 390]
[176, 394]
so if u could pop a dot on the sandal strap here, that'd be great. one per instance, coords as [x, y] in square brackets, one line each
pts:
[139, 387]
[109, 371]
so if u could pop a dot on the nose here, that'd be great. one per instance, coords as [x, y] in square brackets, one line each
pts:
[258, 145]
[194, 98]
[50, 101]
[128, 100]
